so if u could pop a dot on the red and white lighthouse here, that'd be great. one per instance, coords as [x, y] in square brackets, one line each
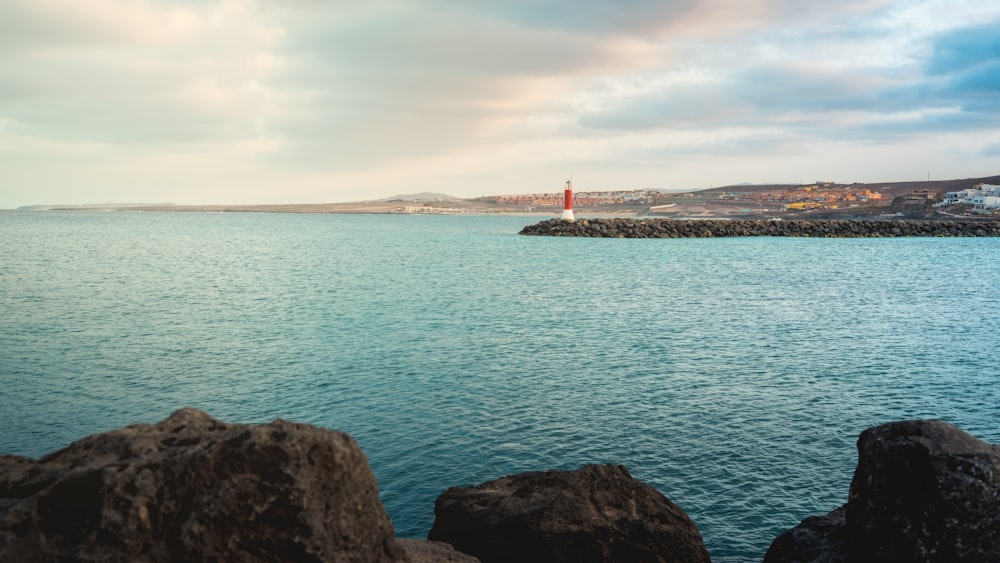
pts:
[567, 213]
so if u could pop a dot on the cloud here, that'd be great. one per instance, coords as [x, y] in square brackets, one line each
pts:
[401, 81]
[958, 88]
[641, 17]
[966, 66]
[379, 85]
[53, 25]
[960, 50]
[317, 92]
[660, 18]
[118, 72]
[991, 150]
[413, 38]
[818, 85]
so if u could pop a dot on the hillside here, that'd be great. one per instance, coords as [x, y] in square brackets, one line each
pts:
[743, 201]
[824, 200]
[422, 197]
[889, 189]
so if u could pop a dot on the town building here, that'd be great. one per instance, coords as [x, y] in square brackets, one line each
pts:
[981, 196]
[580, 199]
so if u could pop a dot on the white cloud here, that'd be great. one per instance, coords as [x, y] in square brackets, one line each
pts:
[225, 99]
[123, 72]
[59, 25]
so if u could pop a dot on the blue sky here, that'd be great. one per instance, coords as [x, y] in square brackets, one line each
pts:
[253, 101]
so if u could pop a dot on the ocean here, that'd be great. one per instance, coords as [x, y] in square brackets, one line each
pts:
[734, 375]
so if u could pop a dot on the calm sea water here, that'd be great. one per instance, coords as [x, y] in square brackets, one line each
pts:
[732, 374]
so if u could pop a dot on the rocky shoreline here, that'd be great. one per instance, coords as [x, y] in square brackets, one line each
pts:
[192, 488]
[706, 228]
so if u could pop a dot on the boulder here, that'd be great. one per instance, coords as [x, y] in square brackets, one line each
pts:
[817, 539]
[596, 513]
[191, 488]
[923, 491]
[423, 551]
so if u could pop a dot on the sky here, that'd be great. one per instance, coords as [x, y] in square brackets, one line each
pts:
[312, 101]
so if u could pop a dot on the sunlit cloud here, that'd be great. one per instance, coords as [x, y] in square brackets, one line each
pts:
[246, 100]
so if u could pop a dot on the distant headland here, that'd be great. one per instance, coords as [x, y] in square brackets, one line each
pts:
[923, 200]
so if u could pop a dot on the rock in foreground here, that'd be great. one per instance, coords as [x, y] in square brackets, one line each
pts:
[923, 491]
[423, 551]
[596, 513]
[191, 488]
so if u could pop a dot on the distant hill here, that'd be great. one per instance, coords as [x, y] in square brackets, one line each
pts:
[422, 196]
[890, 189]
[901, 188]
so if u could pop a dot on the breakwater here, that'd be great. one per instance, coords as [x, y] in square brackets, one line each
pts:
[706, 228]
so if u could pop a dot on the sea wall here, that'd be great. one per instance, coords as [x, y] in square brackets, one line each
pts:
[192, 488]
[705, 228]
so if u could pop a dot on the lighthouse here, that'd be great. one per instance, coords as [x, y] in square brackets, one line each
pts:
[567, 214]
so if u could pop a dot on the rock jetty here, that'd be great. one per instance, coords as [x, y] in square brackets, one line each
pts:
[923, 491]
[706, 228]
[596, 513]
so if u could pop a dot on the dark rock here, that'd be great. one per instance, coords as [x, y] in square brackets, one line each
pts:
[829, 228]
[191, 488]
[818, 539]
[423, 551]
[923, 491]
[596, 513]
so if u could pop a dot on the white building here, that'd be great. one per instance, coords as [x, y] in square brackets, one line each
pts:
[986, 201]
[963, 196]
[983, 196]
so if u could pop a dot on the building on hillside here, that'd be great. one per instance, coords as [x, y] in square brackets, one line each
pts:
[986, 201]
[983, 196]
[961, 196]
[428, 209]
[804, 205]
[920, 198]
[581, 199]
[925, 195]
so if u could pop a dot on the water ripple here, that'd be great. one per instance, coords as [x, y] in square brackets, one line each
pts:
[733, 375]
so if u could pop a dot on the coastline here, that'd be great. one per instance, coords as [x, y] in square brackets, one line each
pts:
[678, 213]
[394, 207]
[914, 200]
